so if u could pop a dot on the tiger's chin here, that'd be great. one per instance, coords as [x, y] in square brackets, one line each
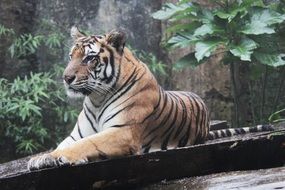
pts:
[76, 93]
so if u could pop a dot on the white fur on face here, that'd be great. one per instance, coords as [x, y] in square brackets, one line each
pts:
[71, 93]
[92, 49]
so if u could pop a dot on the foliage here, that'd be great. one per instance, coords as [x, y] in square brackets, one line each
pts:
[241, 28]
[247, 32]
[277, 116]
[5, 31]
[29, 102]
[26, 44]
[25, 103]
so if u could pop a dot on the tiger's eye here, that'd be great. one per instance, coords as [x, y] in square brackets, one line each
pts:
[88, 59]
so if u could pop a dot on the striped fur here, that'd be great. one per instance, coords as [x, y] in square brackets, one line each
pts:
[170, 119]
[125, 111]
[215, 134]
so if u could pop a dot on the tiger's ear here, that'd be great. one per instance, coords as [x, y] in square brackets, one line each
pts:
[75, 33]
[117, 39]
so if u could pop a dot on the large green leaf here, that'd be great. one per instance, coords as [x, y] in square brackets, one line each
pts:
[168, 10]
[270, 43]
[186, 61]
[208, 29]
[205, 48]
[206, 16]
[182, 40]
[261, 21]
[231, 13]
[244, 49]
[183, 27]
[203, 30]
[274, 60]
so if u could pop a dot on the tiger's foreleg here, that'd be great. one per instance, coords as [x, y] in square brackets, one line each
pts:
[113, 142]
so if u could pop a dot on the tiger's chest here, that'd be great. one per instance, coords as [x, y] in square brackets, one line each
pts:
[101, 117]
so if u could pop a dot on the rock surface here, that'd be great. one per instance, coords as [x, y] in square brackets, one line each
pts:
[249, 152]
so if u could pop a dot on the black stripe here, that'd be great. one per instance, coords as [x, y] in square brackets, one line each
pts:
[102, 155]
[105, 60]
[132, 76]
[164, 121]
[197, 116]
[165, 141]
[91, 123]
[82, 81]
[92, 75]
[242, 131]
[121, 125]
[72, 137]
[112, 116]
[146, 150]
[105, 74]
[159, 98]
[211, 136]
[184, 117]
[148, 143]
[223, 133]
[90, 111]
[112, 66]
[228, 132]
[79, 131]
[183, 141]
[164, 104]
[237, 131]
[216, 134]
[174, 119]
[253, 129]
[155, 107]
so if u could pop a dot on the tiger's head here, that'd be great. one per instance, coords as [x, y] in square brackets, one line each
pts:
[94, 63]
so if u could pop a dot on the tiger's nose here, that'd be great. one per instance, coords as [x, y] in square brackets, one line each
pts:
[69, 78]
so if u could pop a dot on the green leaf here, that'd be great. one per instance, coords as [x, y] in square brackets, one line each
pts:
[183, 27]
[186, 61]
[231, 14]
[244, 49]
[206, 17]
[209, 29]
[203, 30]
[205, 48]
[274, 60]
[182, 40]
[261, 21]
[275, 117]
[168, 10]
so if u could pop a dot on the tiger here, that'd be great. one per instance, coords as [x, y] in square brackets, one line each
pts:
[125, 110]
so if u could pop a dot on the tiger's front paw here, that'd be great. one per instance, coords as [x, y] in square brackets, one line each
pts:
[53, 160]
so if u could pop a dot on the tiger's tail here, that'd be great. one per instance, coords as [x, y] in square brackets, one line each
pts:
[237, 131]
